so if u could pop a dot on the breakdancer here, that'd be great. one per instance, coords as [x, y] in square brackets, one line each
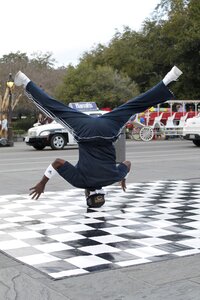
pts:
[95, 136]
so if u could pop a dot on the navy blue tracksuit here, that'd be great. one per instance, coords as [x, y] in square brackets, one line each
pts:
[96, 166]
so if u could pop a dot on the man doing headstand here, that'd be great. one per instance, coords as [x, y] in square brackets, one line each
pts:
[95, 136]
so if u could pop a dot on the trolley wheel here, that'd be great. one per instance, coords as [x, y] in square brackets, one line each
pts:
[146, 134]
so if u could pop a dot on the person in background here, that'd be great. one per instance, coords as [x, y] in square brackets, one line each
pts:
[4, 126]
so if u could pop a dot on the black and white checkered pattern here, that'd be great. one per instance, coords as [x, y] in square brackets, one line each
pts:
[61, 237]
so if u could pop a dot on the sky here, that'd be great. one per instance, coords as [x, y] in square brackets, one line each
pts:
[67, 28]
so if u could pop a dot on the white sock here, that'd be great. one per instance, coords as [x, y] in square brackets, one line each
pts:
[26, 81]
[172, 75]
[21, 79]
[101, 191]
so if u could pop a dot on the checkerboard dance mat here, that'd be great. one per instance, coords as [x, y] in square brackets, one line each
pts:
[59, 236]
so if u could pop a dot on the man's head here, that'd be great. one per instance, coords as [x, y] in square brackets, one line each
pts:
[95, 200]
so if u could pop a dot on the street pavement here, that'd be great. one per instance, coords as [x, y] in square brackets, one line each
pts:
[22, 166]
[175, 279]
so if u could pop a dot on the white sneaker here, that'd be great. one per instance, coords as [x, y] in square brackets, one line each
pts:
[172, 75]
[21, 79]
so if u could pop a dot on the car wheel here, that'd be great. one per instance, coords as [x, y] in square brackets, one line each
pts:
[39, 147]
[57, 142]
[197, 143]
[3, 141]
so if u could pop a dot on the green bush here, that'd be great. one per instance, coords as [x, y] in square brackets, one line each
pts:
[19, 132]
[23, 124]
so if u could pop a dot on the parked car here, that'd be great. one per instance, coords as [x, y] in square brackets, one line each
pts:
[191, 130]
[56, 135]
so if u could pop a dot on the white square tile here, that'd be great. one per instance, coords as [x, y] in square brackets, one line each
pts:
[12, 244]
[52, 247]
[99, 249]
[194, 243]
[75, 228]
[194, 233]
[68, 273]
[64, 213]
[53, 220]
[129, 215]
[97, 214]
[132, 262]
[72, 207]
[25, 234]
[156, 232]
[13, 206]
[161, 223]
[66, 237]
[41, 206]
[195, 224]
[30, 212]
[87, 261]
[18, 219]
[41, 226]
[145, 252]
[5, 211]
[36, 259]
[123, 222]
[8, 225]
[117, 230]
[89, 221]
[187, 252]
[105, 239]
[151, 241]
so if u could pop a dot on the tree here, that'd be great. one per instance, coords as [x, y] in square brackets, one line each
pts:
[102, 84]
[124, 54]
[168, 8]
[39, 68]
[12, 58]
[43, 60]
[182, 29]
[170, 37]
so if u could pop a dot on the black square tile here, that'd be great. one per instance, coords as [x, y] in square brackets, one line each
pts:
[82, 243]
[172, 247]
[176, 237]
[64, 254]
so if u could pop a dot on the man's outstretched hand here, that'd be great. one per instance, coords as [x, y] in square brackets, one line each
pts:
[123, 184]
[37, 190]
[127, 163]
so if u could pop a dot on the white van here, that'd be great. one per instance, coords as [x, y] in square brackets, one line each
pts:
[56, 135]
[191, 130]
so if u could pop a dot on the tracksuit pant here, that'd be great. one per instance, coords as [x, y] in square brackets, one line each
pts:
[89, 128]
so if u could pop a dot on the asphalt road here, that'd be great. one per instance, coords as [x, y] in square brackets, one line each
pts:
[171, 279]
[21, 166]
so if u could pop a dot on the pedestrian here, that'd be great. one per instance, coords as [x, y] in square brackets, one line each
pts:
[4, 127]
[96, 166]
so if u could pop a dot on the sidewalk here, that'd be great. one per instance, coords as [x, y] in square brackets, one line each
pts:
[176, 279]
